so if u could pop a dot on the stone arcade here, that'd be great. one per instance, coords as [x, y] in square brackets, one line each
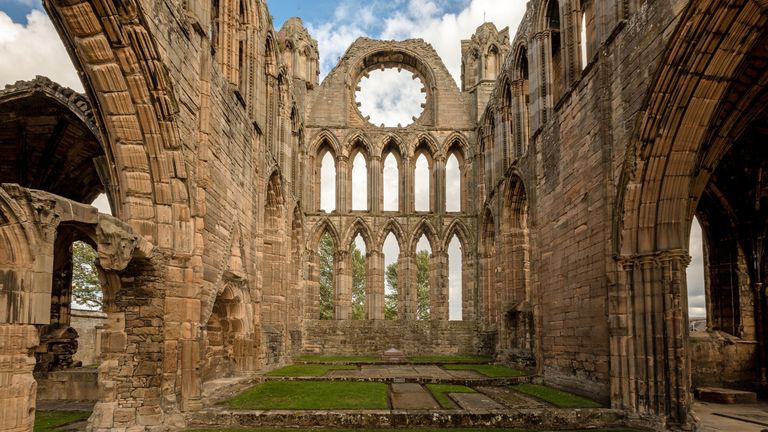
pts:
[586, 144]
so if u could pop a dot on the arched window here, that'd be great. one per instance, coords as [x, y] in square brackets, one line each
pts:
[697, 305]
[421, 184]
[587, 27]
[423, 285]
[455, 270]
[556, 62]
[391, 291]
[491, 63]
[358, 252]
[214, 28]
[327, 181]
[326, 255]
[452, 184]
[359, 183]
[391, 181]
[522, 128]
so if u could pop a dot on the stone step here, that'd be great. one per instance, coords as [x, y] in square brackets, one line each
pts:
[725, 396]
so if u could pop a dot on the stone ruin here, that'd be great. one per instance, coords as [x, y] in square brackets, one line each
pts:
[586, 144]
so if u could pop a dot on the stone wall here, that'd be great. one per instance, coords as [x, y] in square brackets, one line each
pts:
[372, 338]
[88, 325]
[721, 360]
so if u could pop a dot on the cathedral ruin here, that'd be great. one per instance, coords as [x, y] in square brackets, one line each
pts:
[583, 146]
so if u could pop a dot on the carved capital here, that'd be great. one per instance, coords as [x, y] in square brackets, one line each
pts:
[118, 245]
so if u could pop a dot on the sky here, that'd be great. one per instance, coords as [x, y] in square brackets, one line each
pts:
[29, 46]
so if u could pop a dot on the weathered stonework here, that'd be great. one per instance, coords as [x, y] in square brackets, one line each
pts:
[583, 163]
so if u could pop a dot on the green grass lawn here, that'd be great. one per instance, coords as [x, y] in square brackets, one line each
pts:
[450, 359]
[491, 371]
[336, 359]
[308, 370]
[307, 395]
[556, 397]
[49, 421]
[440, 392]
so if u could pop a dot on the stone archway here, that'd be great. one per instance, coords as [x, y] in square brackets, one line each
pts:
[700, 107]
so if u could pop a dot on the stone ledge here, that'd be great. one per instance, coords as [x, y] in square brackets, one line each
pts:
[547, 419]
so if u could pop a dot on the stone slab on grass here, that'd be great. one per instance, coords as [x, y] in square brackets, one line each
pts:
[412, 396]
[475, 401]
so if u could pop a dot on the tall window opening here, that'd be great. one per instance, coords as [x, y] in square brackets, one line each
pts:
[327, 182]
[359, 276]
[391, 181]
[452, 184]
[697, 305]
[584, 43]
[522, 129]
[455, 295]
[423, 287]
[214, 28]
[553, 25]
[359, 183]
[422, 179]
[326, 253]
[391, 291]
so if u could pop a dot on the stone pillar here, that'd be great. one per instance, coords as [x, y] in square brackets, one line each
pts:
[438, 280]
[375, 186]
[405, 284]
[406, 198]
[343, 300]
[312, 299]
[342, 185]
[650, 366]
[437, 189]
[19, 388]
[375, 285]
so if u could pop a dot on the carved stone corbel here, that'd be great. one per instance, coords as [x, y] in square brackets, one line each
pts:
[118, 245]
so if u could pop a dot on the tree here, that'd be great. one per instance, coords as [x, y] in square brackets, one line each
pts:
[422, 285]
[391, 295]
[326, 253]
[358, 283]
[86, 289]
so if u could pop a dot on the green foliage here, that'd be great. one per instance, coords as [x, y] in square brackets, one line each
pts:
[358, 283]
[49, 421]
[391, 295]
[86, 289]
[312, 395]
[440, 392]
[489, 370]
[556, 397]
[302, 370]
[326, 252]
[422, 285]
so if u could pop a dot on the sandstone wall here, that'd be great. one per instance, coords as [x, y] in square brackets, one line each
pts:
[88, 325]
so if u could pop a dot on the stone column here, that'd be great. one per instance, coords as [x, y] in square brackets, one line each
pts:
[438, 266]
[438, 185]
[405, 284]
[375, 285]
[406, 198]
[375, 186]
[343, 300]
[342, 185]
[19, 388]
[312, 294]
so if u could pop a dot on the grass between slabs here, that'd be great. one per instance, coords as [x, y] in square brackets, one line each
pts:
[440, 392]
[450, 359]
[308, 370]
[556, 397]
[312, 395]
[335, 359]
[49, 421]
[491, 371]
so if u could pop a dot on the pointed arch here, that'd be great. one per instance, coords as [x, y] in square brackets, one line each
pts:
[320, 229]
[324, 137]
[357, 140]
[458, 228]
[393, 143]
[457, 142]
[359, 226]
[426, 142]
[426, 228]
[391, 226]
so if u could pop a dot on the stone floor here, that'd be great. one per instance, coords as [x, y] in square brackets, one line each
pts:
[731, 418]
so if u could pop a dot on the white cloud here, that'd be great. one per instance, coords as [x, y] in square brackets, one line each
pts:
[454, 280]
[34, 49]
[391, 98]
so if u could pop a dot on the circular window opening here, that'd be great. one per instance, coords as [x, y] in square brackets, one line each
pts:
[391, 97]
